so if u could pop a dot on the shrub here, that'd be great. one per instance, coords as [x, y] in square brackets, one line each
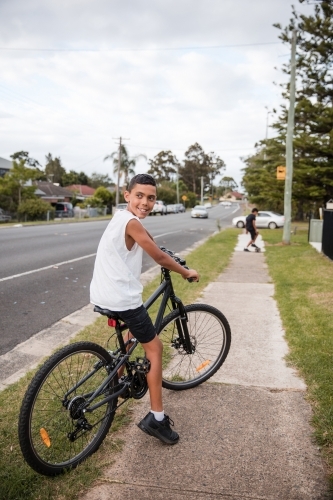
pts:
[34, 209]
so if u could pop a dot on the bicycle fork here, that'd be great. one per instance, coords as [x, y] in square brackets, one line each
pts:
[183, 328]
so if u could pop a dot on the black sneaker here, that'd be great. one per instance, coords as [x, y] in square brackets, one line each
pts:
[254, 245]
[160, 430]
[246, 250]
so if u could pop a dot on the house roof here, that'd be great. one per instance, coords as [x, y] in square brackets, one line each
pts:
[53, 191]
[236, 194]
[82, 189]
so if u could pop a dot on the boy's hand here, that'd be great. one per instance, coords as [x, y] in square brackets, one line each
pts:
[191, 274]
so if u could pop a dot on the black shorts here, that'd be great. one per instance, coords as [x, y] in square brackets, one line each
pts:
[139, 324]
[252, 233]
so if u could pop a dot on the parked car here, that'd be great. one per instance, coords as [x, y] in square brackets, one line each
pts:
[180, 207]
[159, 208]
[121, 206]
[172, 209]
[4, 217]
[208, 205]
[270, 220]
[199, 211]
[64, 209]
[226, 203]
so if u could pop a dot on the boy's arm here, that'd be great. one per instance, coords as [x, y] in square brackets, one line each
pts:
[137, 232]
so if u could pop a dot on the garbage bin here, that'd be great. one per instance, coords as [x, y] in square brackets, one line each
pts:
[327, 242]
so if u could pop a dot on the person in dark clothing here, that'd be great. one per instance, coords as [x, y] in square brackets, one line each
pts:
[250, 226]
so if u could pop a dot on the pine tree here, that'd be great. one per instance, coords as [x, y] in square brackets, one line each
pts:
[313, 134]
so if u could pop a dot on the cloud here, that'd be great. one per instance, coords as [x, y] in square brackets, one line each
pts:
[74, 104]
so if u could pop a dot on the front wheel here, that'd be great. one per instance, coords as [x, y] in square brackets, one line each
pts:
[240, 224]
[54, 434]
[210, 337]
[272, 225]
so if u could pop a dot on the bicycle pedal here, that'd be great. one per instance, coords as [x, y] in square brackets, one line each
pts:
[142, 365]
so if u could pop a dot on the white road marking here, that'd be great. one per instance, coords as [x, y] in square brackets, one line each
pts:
[165, 234]
[67, 262]
[47, 267]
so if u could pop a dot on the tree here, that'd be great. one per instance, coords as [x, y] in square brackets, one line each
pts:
[53, 169]
[163, 167]
[127, 164]
[73, 177]
[16, 185]
[29, 162]
[96, 180]
[313, 132]
[35, 208]
[228, 184]
[24, 155]
[198, 164]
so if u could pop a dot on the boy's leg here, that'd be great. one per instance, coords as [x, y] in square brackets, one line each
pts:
[126, 337]
[154, 350]
[155, 423]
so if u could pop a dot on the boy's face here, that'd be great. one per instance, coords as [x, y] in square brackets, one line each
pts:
[141, 199]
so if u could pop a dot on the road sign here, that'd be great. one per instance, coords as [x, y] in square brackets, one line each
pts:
[184, 197]
[280, 173]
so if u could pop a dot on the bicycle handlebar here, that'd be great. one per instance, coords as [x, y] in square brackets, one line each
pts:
[177, 259]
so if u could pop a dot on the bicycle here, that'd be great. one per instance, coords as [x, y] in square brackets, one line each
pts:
[70, 404]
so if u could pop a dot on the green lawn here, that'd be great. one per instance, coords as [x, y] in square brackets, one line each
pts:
[304, 292]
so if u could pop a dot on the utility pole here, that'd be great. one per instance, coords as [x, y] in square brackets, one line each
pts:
[202, 190]
[289, 146]
[177, 183]
[119, 168]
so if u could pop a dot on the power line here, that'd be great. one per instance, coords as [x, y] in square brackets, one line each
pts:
[176, 149]
[155, 49]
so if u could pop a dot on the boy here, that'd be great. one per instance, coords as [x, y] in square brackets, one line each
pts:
[116, 286]
[250, 226]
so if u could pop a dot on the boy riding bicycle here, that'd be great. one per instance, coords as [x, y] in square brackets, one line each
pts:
[116, 286]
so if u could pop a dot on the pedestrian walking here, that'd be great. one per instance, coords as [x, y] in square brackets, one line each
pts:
[250, 226]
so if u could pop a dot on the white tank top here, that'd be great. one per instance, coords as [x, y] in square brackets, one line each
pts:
[116, 279]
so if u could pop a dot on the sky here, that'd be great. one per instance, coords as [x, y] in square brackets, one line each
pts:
[162, 74]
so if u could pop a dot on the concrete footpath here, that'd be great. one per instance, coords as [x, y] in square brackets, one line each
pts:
[243, 435]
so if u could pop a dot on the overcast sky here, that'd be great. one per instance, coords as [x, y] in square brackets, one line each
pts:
[141, 69]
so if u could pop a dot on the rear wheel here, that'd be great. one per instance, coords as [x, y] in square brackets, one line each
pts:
[272, 225]
[240, 224]
[210, 337]
[54, 434]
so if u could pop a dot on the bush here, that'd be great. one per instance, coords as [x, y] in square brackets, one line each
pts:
[35, 209]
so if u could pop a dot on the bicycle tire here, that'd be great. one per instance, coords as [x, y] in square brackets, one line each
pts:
[211, 337]
[44, 422]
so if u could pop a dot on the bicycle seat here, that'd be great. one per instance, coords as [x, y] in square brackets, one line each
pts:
[106, 312]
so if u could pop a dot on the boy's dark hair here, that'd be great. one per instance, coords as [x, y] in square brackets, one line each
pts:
[141, 179]
[254, 210]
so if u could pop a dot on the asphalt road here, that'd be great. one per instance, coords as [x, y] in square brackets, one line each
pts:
[45, 271]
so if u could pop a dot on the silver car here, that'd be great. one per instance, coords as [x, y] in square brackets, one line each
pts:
[199, 212]
[270, 220]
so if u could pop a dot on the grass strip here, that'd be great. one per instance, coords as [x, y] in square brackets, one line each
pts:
[17, 480]
[303, 289]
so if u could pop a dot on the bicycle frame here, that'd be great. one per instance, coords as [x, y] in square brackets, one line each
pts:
[165, 289]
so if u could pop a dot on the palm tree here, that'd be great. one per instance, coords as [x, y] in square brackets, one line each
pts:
[127, 165]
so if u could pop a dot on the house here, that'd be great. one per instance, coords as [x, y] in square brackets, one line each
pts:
[5, 166]
[234, 196]
[81, 191]
[52, 192]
